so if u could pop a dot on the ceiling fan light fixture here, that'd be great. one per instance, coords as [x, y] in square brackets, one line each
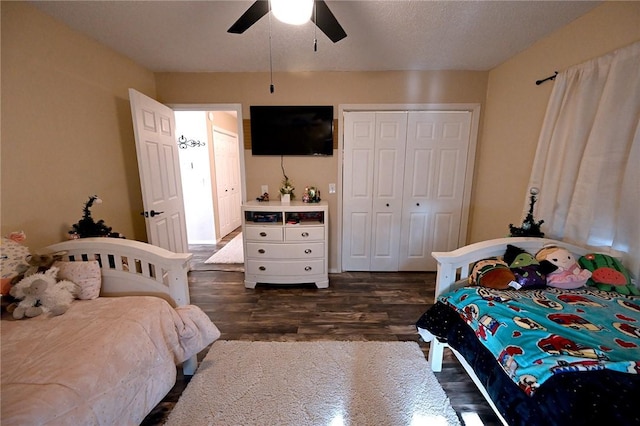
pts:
[294, 12]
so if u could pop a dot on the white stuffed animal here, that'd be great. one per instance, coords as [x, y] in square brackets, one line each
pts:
[41, 293]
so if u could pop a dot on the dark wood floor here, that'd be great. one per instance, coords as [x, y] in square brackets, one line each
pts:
[356, 306]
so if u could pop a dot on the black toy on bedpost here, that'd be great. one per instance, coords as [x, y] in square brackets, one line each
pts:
[86, 227]
[529, 228]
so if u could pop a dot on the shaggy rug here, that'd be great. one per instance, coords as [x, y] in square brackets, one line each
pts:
[313, 383]
[232, 252]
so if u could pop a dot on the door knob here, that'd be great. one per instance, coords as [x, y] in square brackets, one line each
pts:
[152, 213]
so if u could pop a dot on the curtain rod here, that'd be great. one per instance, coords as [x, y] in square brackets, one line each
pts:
[552, 77]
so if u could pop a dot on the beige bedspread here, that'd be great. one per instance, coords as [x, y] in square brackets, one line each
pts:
[106, 361]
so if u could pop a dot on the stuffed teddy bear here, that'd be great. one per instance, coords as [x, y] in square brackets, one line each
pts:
[567, 274]
[41, 262]
[41, 293]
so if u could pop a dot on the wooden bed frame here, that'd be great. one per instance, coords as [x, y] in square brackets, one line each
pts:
[454, 266]
[131, 267]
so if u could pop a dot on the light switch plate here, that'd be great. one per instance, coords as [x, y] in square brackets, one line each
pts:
[332, 188]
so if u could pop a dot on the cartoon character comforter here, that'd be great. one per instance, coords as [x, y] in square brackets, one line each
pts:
[551, 335]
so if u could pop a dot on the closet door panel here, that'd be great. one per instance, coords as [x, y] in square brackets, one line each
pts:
[359, 157]
[390, 143]
[445, 228]
[417, 245]
[382, 236]
[437, 147]
[404, 176]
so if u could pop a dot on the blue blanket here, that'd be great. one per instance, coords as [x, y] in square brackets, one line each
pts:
[538, 333]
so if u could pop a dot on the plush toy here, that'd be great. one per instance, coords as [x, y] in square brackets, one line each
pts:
[529, 273]
[39, 263]
[567, 274]
[493, 273]
[14, 255]
[41, 293]
[608, 274]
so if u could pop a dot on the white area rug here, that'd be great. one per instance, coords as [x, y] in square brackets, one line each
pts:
[232, 252]
[313, 383]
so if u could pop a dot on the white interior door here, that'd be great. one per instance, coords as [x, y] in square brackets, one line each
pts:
[159, 167]
[436, 162]
[227, 168]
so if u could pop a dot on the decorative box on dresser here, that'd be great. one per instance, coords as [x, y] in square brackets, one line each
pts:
[285, 243]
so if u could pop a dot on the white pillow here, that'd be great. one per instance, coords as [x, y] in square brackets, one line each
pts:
[85, 274]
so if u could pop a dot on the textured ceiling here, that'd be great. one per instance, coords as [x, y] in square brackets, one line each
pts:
[191, 36]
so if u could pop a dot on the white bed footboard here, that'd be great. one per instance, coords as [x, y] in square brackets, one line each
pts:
[454, 267]
[133, 267]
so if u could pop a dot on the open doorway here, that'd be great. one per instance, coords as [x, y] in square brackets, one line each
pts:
[211, 160]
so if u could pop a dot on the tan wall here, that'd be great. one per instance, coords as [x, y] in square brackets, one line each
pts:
[515, 111]
[67, 132]
[66, 129]
[320, 88]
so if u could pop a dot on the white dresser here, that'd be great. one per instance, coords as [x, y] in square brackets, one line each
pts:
[285, 243]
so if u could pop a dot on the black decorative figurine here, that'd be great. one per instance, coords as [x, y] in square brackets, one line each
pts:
[529, 228]
[87, 227]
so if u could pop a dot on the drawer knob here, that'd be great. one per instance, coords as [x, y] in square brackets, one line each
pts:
[262, 268]
[308, 268]
[308, 251]
[305, 234]
[261, 251]
[263, 234]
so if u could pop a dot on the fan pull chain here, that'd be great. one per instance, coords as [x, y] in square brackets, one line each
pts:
[271, 86]
[315, 27]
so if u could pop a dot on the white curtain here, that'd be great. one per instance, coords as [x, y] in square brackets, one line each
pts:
[587, 164]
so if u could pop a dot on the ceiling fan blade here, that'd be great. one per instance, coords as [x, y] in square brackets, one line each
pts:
[327, 22]
[256, 11]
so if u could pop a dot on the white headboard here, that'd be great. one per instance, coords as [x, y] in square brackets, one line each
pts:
[132, 267]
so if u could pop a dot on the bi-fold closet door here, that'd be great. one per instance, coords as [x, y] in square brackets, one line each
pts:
[403, 187]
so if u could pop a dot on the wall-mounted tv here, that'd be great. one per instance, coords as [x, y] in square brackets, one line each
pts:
[291, 130]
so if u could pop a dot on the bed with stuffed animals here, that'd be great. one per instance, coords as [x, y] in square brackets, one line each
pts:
[551, 339]
[112, 355]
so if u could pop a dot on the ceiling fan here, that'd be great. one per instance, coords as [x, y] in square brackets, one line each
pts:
[321, 16]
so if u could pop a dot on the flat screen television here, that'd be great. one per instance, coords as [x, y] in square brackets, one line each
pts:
[292, 130]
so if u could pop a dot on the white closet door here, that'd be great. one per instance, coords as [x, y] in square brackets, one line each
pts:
[358, 162]
[391, 135]
[373, 173]
[227, 180]
[436, 159]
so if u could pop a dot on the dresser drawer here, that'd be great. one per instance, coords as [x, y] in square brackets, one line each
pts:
[263, 233]
[274, 268]
[285, 251]
[304, 233]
